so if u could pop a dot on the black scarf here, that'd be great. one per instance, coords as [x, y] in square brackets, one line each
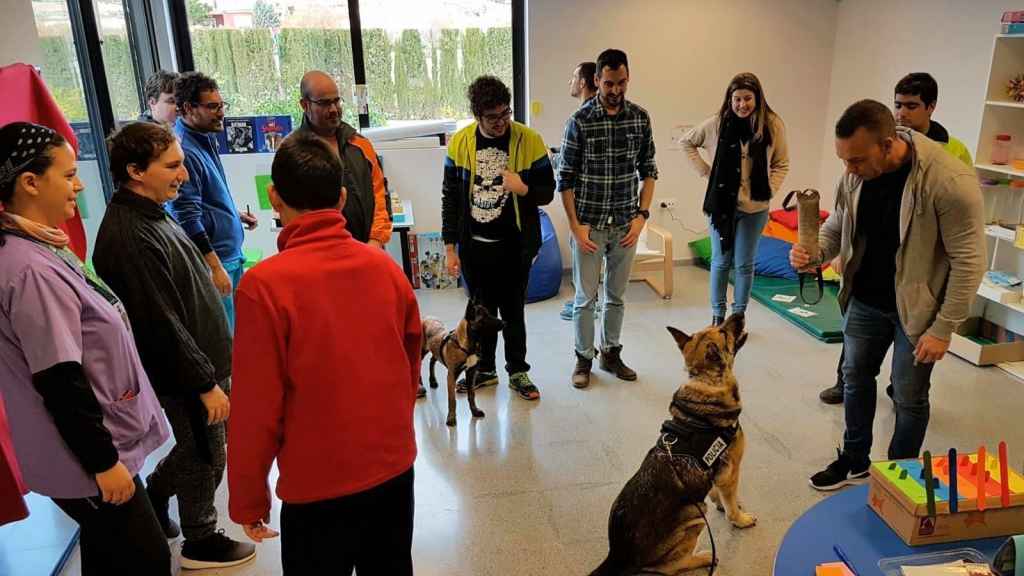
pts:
[724, 182]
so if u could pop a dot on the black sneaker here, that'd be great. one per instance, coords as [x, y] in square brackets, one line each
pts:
[215, 551]
[832, 394]
[160, 506]
[842, 472]
[489, 378]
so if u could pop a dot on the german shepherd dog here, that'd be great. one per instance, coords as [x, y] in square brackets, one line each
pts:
[459, 350]
[656, 519]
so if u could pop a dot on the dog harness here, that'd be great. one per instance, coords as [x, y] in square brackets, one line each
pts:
[450, 337]
[702, 442]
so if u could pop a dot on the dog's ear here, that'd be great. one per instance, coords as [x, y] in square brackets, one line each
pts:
[470, 309]
[739, 343]
[734, 325]
[681, 337]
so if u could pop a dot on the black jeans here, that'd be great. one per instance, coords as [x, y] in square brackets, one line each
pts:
[497, 276]
[125, 539]
[370, 531]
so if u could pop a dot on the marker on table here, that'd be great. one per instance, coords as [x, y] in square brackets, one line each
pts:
[842, 556]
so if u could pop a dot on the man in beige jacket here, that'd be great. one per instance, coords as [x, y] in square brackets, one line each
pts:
[908, 229]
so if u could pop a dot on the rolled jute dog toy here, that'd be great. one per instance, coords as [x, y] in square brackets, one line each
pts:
[808, 225]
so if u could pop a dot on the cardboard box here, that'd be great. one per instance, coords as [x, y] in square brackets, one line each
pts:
[983, 354]
[913, 525]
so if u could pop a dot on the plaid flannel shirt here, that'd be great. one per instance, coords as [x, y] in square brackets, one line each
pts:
[603, 158]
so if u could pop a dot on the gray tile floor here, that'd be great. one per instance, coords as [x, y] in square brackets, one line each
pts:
[527, 490]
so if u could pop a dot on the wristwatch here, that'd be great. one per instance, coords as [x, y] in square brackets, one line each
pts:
[645, 213]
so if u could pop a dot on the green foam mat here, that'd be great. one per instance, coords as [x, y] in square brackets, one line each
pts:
[826, 326]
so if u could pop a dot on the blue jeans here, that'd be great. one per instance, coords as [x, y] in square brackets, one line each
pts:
[868, 333]
[234, 270]
[748, 232]
[585, 275]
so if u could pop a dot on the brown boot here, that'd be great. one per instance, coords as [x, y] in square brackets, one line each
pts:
[581, 374]
[611, 361]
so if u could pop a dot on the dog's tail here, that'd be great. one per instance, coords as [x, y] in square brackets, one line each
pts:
[610, 567]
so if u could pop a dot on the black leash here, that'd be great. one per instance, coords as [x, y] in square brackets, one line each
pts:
[711, 537]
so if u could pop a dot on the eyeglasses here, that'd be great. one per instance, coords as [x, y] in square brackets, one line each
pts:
[500, 116]
[326, 102]
[215, 106]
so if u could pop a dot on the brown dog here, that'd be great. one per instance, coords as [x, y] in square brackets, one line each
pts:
[458, 350]
[656, 519]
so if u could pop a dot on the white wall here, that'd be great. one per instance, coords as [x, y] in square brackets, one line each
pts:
[682, 55]
[19, 41]
[878, 42]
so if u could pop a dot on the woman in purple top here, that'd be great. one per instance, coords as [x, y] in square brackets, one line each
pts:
[83, 416]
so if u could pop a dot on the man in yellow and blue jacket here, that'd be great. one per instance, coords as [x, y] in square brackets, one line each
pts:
[496, 174]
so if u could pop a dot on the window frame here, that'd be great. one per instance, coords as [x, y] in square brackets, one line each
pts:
[182, 41]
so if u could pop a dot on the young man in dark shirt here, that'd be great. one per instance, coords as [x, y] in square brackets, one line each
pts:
[496, 174]
[180, 331]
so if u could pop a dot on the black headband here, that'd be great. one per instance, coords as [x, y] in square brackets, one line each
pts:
[32, 143]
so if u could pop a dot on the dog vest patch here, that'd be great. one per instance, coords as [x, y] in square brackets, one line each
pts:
[704, 444]
[716, 449]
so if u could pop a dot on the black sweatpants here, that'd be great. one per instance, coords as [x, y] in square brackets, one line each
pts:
[124, 539]
[370, 531]
[497, 277]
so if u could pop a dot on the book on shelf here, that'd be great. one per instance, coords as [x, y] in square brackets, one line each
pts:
[1013, 16]
[1013, 28]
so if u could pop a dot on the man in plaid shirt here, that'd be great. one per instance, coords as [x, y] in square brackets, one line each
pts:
[608, 145]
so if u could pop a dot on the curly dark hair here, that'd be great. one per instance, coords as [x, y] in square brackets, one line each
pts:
[189, 86]
[137, 143]
[487, 92]
[161, 82]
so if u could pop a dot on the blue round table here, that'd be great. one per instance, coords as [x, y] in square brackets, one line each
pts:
[846, 520]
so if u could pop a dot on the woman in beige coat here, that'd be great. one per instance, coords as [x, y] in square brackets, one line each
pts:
[746, 144]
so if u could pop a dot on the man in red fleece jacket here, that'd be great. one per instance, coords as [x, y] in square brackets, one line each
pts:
[326, 368]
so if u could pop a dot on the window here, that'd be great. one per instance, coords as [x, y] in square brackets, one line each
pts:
[422, 54]
[258, 50]
[118, 64]
[60, 68]
[419, 55]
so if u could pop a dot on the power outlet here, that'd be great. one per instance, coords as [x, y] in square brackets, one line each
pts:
[668, 203]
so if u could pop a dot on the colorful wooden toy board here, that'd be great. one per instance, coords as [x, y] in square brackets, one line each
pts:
[988, 501]
[912, 485]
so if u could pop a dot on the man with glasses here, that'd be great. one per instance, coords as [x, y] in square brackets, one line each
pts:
[365, 211]
[496, 174]
[607, 148]
[204, 207]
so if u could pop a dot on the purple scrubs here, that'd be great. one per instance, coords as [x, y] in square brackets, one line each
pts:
[49, 314]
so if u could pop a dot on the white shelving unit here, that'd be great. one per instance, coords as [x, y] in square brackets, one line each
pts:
[1004, 307]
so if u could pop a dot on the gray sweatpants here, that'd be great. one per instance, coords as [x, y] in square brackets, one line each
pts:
[184, 474]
